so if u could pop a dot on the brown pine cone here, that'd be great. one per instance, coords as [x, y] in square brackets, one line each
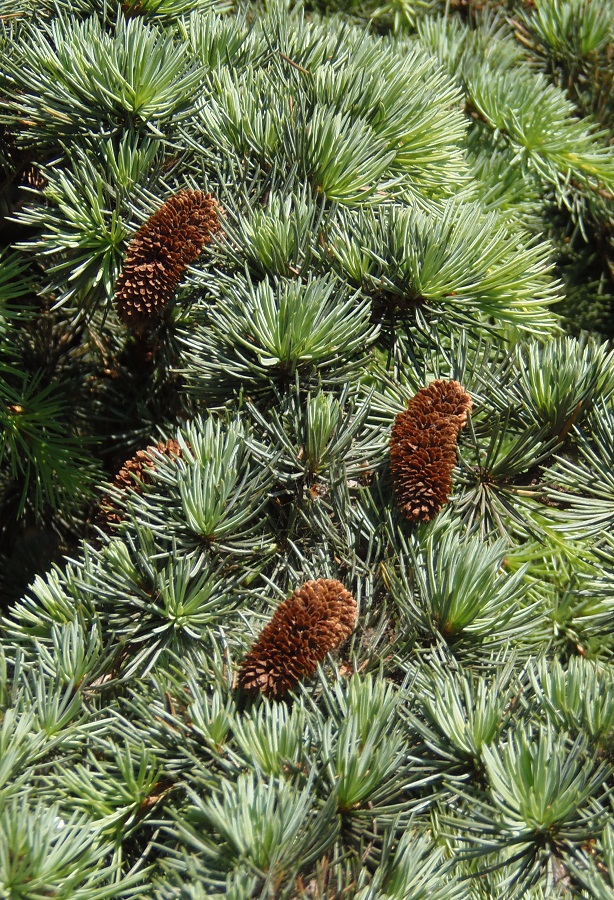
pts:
[318, 617]
[423, 448]
[134, 474]
[159, 253]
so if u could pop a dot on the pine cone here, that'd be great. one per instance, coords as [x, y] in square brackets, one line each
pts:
[134, 474]
[423, 448]
[315, 620]
[159, 253]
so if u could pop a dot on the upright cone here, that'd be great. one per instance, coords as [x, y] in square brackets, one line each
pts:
[159, 253]
[135, 473]
[423, 448]
[318, 617]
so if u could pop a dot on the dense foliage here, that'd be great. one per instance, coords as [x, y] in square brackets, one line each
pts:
[399, 193]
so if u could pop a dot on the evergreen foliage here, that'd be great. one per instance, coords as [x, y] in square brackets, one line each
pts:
[408, 193]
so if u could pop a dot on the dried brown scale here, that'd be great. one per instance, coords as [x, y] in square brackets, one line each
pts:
[159, 253]
[34, 178]
[318, 617]
[423, 448]
[134, 474]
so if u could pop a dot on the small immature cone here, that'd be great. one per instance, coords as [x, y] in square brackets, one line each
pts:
[134, 473]
[423, 448]
[318, 617]
[159, 253]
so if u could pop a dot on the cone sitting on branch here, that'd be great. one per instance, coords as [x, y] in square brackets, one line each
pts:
[423, 448]
[134, 474]
[318, 617]
[159, 253]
